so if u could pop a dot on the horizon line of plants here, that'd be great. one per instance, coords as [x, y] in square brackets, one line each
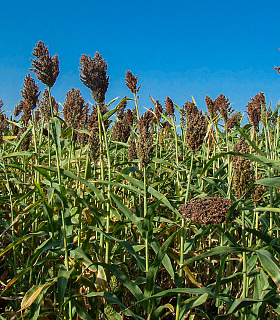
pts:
[109, 214]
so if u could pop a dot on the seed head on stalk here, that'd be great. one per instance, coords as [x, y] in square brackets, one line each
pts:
[234, 120]
[211, 107]
[144, 144]
[190, 110]
[131, 82]
[254, 109]
[243, 174]
[132, 150]
[37, 116]
[30, 96]
[27, 140]
[130, 117]
[44, 105]
[258, 192]
[158, 110]
[121, 109]
[196, 131]
[46, 67]
[18, 108]
[169, 106]
[121, 130]
[222, 104]
[94, 146]
[4, 125]
[94, 76]
[73, 110]
[207, 211]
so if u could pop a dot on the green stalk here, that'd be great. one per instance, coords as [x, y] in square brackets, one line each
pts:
[136, 106]
[145, 214]
[66, 257]
[182, 241]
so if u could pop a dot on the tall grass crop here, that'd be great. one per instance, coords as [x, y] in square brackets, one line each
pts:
[109, 214]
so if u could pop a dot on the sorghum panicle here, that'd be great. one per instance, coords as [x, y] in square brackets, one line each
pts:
[211, 107]
[196, 131]
[130, 117]
[94, 146]
[37, 116]
[169, 106]
[243, 174]
[144, 144]
[4, 125]
[73, 110]
[30, 96]
[207, 211]
[131, 82]
[46, 67]
[234, 120]
[132, 150]
[122, 106]
[258, 192]
[190, 110]
[222, 104]
[26, 142]
[121, 130]
[94, 76]
[158, 111]
[18, 108]
[254, 109]
[44, 105]
[93, 118]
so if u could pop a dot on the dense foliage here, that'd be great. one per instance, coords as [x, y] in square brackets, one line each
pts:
[109, 214]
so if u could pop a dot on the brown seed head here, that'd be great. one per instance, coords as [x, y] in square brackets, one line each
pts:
[222, 104]
[30, 96]
[46, 67]
[73, 110]
[258, 192]
[254, 109]
[169, 106]
[94, 76]
[196, 131]
[158, 111]
[94, 146]
[4, 125]
[212, 210]
[121, 130]
[37, 116]
[130, 117]
[26, 142]
[234, 120]
[44, 105]
[145, 144]
[131, 82]
[122, 106]
[211, 107]
[132, 151]
[18, 108]
[243, 175]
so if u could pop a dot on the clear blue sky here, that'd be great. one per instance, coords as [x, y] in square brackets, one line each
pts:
[177, 48]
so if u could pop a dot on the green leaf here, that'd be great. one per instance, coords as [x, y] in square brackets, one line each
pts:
[126, 244]
[192, 303]
[127, 212]
[131, 286]
[153, 268]
[218, 251]
[241, 303]
[62, 279]
[270, 265]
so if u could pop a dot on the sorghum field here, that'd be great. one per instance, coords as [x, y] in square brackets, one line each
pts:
[110, 214]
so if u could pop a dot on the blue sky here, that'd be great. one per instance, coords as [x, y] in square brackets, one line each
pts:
[177, 48]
